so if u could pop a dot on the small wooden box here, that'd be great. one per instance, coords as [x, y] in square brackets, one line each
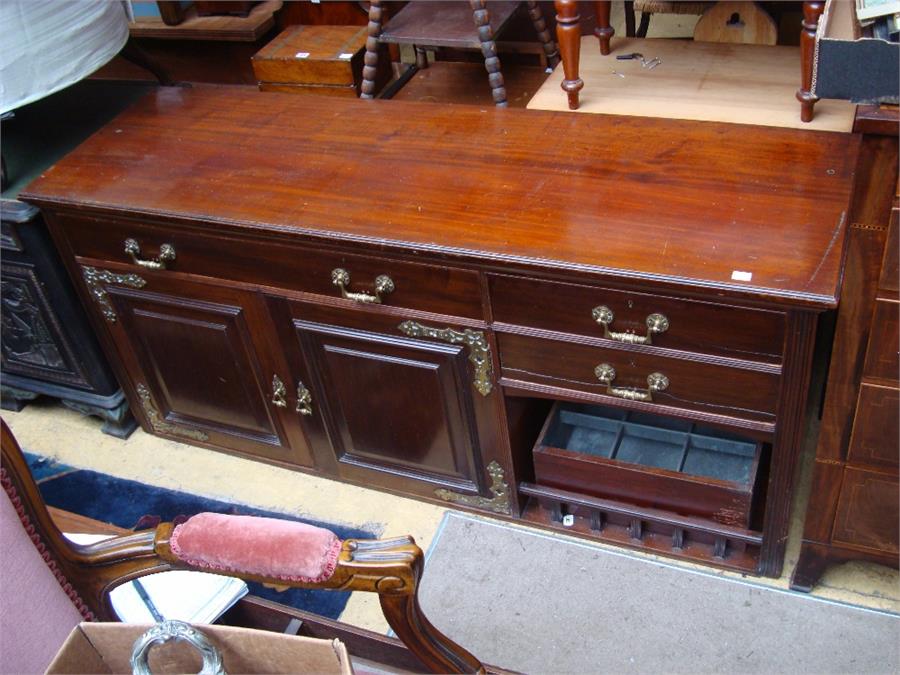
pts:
[649, 461]
[318, 59]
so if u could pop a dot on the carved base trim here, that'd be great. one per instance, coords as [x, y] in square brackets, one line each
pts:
[499, 503]
[159, 424]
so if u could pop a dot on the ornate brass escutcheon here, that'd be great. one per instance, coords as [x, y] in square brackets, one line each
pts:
[96, 278]
[499, 503]
[479, 350]
[656, 323]
[304, 399]
[655, 382]
[383, 285]
[279, 393]
[166, 255]
[161, 425]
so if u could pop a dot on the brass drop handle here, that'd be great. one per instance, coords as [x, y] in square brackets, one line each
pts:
[166, 255]
[656, 323]
[383, 285]
[304, 399]
[655, 382]
[279, 393]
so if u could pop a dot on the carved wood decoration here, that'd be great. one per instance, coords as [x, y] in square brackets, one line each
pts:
[489, 50]
[811, 13]
[540, 27]
[159, 424]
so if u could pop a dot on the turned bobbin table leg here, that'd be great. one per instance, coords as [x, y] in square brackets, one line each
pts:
[568, 35]
[540, 27]
[370, 61]
[811, 13]
[489, 49]
[604, 30]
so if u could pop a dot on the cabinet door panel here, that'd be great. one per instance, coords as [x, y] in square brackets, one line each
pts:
[196, 366]
[397, 409]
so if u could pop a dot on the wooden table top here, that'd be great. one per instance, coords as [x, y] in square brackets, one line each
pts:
[665, 202]
[444, 24]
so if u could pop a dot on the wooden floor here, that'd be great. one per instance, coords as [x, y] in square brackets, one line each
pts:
[744, 84]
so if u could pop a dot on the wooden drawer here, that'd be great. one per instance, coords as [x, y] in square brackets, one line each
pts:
[692, 386]
[890, 266]
[882, 360]
[875, 430]
[269, 263]
[692, 326]
[868, 514]
[649, 461]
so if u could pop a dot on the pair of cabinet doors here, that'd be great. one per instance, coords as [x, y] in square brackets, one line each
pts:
[342, 391]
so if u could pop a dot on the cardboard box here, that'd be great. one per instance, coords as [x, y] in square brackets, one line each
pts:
[106, 648]
[849, 66]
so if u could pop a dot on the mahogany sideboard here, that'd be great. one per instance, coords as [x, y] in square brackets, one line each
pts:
[395, 293]
[854, 507]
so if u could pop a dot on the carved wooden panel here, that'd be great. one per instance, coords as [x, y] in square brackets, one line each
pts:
[200, 375]
[34, 344]
[868, 513]
[876, 429]
[397, 409]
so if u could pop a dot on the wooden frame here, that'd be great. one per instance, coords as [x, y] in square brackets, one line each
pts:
[392, 568]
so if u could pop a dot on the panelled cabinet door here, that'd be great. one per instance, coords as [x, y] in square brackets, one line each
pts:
[199, 367]
[395, 410]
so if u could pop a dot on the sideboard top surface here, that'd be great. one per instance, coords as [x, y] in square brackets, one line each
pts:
[746, 211]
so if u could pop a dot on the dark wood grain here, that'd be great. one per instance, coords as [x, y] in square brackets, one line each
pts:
[882, 358]
[417, 286]
[443, 24]
[890, 266]
[693, 386]
[752, 335]
[875, 426]
[733, 200]
[868, 511]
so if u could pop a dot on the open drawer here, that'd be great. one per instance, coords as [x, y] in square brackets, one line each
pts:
[648, 460]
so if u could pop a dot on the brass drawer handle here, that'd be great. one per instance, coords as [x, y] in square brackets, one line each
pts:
[279, 393]
[383, 285]
[166, 255]
[304, 399]
[655, 382]
[656, 323]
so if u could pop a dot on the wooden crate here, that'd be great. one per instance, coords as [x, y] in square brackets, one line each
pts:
[318, 59]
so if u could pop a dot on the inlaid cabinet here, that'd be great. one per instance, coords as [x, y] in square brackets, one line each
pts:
[607, 331]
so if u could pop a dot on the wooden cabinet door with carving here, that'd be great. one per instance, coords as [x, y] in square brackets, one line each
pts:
[202, 366]
[394, 404]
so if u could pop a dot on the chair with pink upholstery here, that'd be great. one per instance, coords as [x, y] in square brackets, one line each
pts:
[49, 585]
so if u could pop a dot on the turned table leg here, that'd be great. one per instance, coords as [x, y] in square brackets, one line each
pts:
[811, 13]
[367, 90]
[540, 27]
[604, 31]
[489, 50]
[568, 34]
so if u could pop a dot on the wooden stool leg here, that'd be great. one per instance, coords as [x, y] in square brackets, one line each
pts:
[811, 13]
[568, 34]
[489, 49]
[421, 57]
[604, 30]
[367, 90]
[540, 27]
[629, 18]
[645, 25]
